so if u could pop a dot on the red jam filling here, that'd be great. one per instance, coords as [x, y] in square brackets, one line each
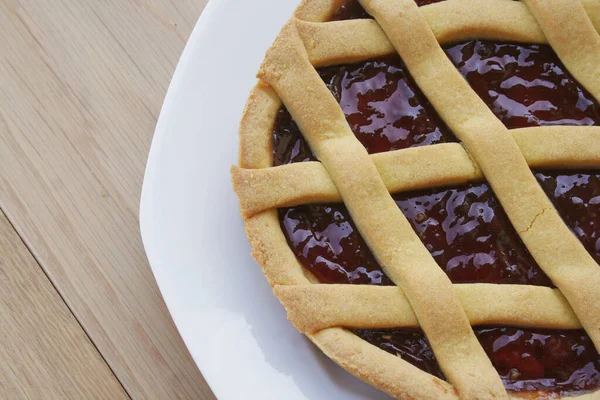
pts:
[524, 85]
[576, 196]
[526, 359]
[464, 228]
[383, 105]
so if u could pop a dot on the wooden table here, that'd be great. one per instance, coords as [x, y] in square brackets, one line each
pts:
[81, 86]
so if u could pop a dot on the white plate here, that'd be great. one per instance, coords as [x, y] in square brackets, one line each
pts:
[233, 326]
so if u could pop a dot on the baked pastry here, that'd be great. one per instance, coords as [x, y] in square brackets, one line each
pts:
[420, 182]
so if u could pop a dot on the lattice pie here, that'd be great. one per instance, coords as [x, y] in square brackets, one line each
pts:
[420, 182]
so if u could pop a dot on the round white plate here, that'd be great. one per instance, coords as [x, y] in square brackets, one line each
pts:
[233, 326]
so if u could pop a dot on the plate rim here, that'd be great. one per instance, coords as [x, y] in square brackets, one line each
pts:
[150, 171]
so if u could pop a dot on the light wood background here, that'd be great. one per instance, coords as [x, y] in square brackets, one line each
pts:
[81, 86]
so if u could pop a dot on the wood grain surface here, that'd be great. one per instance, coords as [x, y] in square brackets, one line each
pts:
[48, 355]
[81, 85]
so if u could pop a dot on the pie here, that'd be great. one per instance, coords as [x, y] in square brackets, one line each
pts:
[420, 182]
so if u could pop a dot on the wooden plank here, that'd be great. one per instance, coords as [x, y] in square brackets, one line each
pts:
[44, 351]
[81, 85]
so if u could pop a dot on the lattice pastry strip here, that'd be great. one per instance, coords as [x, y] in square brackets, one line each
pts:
[363, 39]
[328, 134]
[414, 168]
[315, 307]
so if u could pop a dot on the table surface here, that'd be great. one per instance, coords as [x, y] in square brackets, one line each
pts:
[81, 86]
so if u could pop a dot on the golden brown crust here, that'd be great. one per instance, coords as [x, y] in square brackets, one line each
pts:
[558, 147]
[389, 373]
[259, 114]
[317, 10]
[312, 308]
[271, 251]
[382, 370]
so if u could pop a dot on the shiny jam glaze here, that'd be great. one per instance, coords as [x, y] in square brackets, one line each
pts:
[576, 196]
[524, 85]
[546, 360]
[411, 345]
[526, 359]
[470, 237]
[464, 228]
[382, 104]
[326, 241]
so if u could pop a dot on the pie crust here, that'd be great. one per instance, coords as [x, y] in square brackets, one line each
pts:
[364, 182]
